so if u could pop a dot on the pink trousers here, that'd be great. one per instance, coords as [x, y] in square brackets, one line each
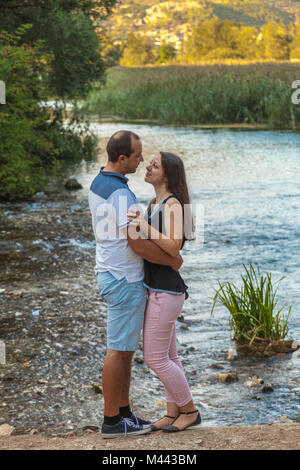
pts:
[160, 352]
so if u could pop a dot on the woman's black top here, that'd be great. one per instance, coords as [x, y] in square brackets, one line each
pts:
[158, 277]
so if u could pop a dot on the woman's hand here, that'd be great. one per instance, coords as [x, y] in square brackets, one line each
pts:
[134, 217]
[137, 220]
[177, 263]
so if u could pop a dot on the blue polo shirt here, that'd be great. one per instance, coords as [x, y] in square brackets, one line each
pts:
[110, 199]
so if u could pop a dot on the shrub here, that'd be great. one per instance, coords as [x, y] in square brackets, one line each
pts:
[33, 141]
[253, 307]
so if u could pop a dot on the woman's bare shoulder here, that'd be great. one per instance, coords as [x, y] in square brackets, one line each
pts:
[173, 201]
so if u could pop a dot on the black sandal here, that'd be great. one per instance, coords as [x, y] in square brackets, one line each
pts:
[154, 428]
[170, 428]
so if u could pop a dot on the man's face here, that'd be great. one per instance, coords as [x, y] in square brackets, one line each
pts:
[131, 163]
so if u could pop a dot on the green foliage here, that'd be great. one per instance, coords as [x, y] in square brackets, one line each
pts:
[33, 143]
[57, 56]
[167, 54]
[253, 307]
[213, 40]
[76, 57]
[68, 31]
[295, 46]
[273, 42]
[216, 40]
[138, 51]
[215, 94]
[21, 119]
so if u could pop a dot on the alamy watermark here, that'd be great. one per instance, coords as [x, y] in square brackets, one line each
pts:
[2, 92]
[111, 221]
[296, 94]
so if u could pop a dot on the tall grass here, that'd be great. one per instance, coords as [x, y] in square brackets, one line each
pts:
[216, 94]
[253, 307]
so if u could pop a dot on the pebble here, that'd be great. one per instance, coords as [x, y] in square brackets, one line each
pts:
[285, 419]
[91, 428]
[160, 404]
[253, 381]
[227, 378]
[33, 431]
[40, 196]
[72, 184]
[97, 389]
[267, 388]
[231, 356]
[6, 430]
[138, 360]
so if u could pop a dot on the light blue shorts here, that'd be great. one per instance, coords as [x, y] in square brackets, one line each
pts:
[125, 314]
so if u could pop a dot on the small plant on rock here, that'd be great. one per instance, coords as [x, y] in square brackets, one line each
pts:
[253, 308]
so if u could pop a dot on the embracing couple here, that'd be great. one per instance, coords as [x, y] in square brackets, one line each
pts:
[137, 263]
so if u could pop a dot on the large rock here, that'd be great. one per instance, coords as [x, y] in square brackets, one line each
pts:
[40, 197]
[266, 347]
[227, 378]
[72, 184]
[6, 430]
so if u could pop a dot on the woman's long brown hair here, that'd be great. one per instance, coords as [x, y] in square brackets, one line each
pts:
[175, 173]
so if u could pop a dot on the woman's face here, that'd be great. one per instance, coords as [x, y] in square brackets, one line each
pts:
[155, 173]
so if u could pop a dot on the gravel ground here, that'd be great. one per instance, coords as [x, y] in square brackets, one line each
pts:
[266, 437]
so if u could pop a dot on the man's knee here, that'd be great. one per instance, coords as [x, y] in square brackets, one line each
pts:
[125, 356]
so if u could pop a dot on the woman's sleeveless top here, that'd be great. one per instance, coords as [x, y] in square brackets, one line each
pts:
[158, 277]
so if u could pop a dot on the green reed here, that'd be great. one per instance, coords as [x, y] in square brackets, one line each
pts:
[253, 307]
[215, 94]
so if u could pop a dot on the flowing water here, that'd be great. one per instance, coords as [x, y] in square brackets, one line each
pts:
[245, 188]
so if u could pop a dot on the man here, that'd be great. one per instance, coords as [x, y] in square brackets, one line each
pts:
[119, 270]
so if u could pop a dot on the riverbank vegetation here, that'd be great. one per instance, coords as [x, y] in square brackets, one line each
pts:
[210, 94]
[48, 50]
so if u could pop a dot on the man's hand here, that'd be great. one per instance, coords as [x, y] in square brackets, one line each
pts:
[177, 263]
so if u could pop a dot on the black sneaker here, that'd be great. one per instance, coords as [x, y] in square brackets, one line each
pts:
[140, 421]
[125, 427]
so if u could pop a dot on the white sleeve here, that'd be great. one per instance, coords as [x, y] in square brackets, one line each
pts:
[123, 200]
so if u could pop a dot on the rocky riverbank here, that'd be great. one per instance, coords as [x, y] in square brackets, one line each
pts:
[53, 327]
[267, 437]
[53, 322]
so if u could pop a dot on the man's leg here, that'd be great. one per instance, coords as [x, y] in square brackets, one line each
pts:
[116, 380]
[125, 386]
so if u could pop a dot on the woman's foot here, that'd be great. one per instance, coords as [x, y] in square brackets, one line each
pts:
[164, 421]
[183, 421]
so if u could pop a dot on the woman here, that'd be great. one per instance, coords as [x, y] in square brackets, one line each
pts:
[166, 218]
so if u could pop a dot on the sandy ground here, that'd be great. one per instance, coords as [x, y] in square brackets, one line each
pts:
[265, 437]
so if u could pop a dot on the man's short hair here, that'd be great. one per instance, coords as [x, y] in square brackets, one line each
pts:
[120, 144]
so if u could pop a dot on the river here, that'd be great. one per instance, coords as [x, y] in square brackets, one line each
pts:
[245, 188]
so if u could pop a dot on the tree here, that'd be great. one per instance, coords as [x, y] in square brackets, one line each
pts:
[200, 41]
[138, 51]
[54, 53]
[295, 46]
[167, 53]
[273, 42]
[246, 42]
[67, 28]
[227, 34]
